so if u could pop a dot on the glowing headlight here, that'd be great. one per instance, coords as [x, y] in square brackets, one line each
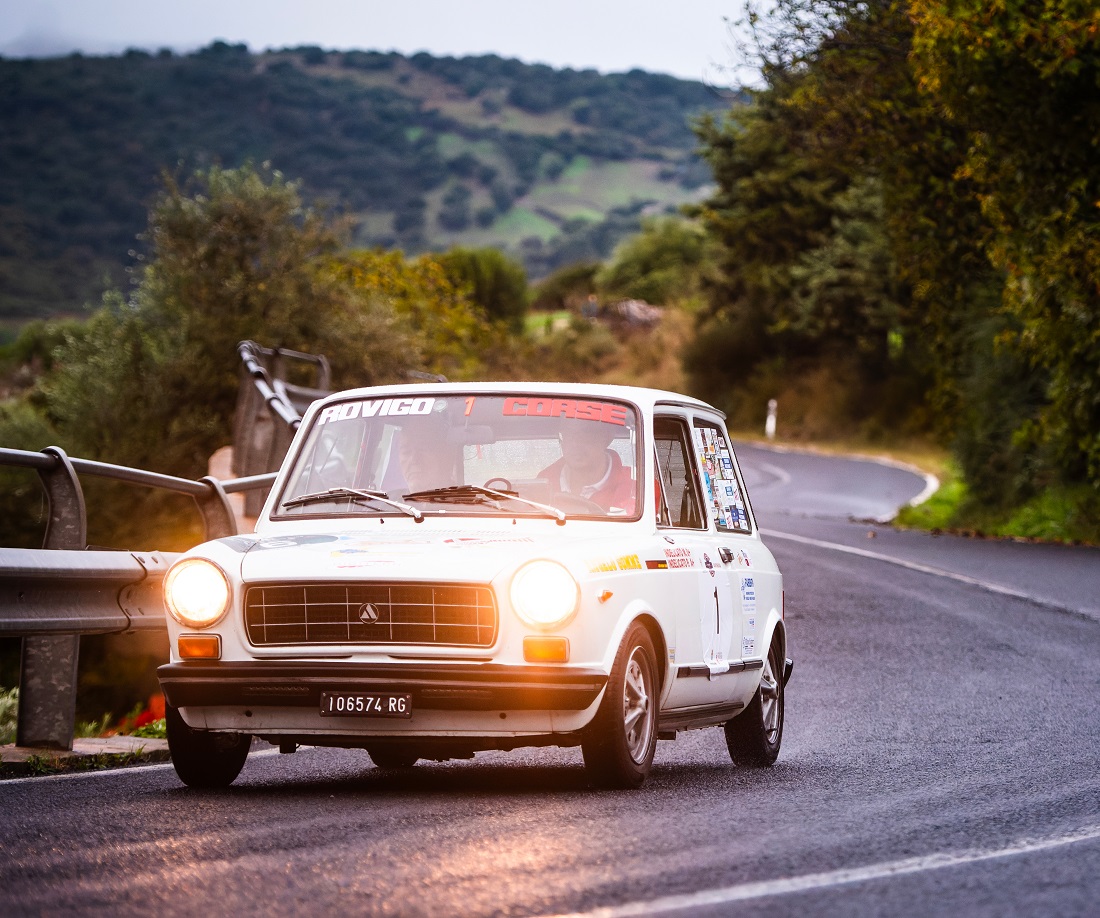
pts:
[544, 594]
[196, 592]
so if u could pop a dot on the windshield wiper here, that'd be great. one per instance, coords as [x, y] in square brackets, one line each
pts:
[353, 494]
[474, 494]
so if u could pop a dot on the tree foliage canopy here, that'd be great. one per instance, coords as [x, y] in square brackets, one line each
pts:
[1023, 79]
[917, 186]
[152, 381]
[662, 264]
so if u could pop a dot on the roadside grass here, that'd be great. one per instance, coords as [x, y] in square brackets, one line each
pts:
[49, 763]
[141, 721]
[937, 514]
[58, 764]
[1056, 514]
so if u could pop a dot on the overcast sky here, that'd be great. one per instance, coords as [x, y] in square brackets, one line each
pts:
[686, 38]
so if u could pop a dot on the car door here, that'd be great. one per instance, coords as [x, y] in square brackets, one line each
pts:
[708, 623]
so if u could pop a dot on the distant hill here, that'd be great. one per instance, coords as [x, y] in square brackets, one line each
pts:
[552, 165]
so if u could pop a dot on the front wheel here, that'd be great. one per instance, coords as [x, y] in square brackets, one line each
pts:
[203, 758]
[618, 747]
[753, 737]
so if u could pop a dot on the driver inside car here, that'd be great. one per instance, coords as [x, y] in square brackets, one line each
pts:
[589, 469]
[426, 459]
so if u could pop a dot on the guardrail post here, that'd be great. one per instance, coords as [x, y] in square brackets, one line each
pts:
[48, 665]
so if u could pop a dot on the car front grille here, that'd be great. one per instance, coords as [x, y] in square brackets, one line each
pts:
[456, 615]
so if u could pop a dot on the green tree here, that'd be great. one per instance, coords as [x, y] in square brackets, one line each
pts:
[567, 287]
[492, 280]
[772, 204]
[843, 124]
[425, 320]
[662, 264]
[846, 291]
[24, 510]
[1022, 79]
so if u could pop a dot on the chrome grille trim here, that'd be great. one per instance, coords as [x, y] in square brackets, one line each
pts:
[375, 612]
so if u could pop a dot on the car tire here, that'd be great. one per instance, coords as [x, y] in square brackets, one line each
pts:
[204, 758]
[618, 747]
[754, 736]
[393, 756]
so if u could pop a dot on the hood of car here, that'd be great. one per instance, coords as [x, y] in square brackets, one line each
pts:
[455, 555]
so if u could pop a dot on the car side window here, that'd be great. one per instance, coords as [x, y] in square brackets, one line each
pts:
[721, 487]
[678, 501]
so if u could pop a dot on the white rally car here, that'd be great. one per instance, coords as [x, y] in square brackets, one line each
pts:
[446, 568]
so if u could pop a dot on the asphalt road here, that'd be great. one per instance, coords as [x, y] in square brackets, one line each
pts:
[940, 758]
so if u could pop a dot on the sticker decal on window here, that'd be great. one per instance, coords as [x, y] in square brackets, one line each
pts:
[722, 489]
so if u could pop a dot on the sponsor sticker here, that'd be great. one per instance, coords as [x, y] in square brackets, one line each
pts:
[622, 563]
[748, 595]
[542, 407]
[385, 407]
[679, 557]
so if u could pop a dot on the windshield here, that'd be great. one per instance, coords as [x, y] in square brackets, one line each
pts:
[469, 454]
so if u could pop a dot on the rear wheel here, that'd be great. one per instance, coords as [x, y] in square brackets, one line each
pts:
[619, 745]
[753, 737]
[204, 758]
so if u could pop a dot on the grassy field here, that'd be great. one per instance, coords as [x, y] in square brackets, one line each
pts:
[585, 190]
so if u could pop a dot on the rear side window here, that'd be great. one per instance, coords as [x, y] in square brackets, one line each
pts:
[722, 489]
[678, 502]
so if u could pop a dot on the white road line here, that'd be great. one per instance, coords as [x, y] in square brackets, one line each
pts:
[782, 477]
[931, 482]
[112, 772]
[913, 566]
[816, 881]
[83, 775]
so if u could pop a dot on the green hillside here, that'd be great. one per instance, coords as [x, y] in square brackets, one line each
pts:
[425, 153]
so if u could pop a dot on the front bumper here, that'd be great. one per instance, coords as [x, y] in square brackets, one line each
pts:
[433, 686]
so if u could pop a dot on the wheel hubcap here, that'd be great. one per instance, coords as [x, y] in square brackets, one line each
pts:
[637, 707]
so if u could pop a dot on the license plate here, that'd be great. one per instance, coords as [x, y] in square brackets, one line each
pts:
[365, 704]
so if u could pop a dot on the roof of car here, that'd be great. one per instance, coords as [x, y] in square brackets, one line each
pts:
[643, 397]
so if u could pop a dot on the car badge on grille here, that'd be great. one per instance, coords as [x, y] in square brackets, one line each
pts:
[368, 613]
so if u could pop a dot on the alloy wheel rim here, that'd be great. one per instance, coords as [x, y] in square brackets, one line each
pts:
[637, 707]
[770, 700]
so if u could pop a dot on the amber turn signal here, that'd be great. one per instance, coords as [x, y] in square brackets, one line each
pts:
[200, 646]
[546, 649]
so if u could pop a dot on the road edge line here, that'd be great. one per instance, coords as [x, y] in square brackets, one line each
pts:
[927, 569]
[814, 881]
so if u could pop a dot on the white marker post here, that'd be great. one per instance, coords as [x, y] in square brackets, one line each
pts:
[769, 424]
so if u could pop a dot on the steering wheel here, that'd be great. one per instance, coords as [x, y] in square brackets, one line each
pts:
[498, 484]
[574, 503]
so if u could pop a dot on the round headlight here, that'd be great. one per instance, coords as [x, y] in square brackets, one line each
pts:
[196, 592]
[544, 594]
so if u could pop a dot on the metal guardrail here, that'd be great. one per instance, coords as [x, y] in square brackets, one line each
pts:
[51, 597]
[66, 592]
